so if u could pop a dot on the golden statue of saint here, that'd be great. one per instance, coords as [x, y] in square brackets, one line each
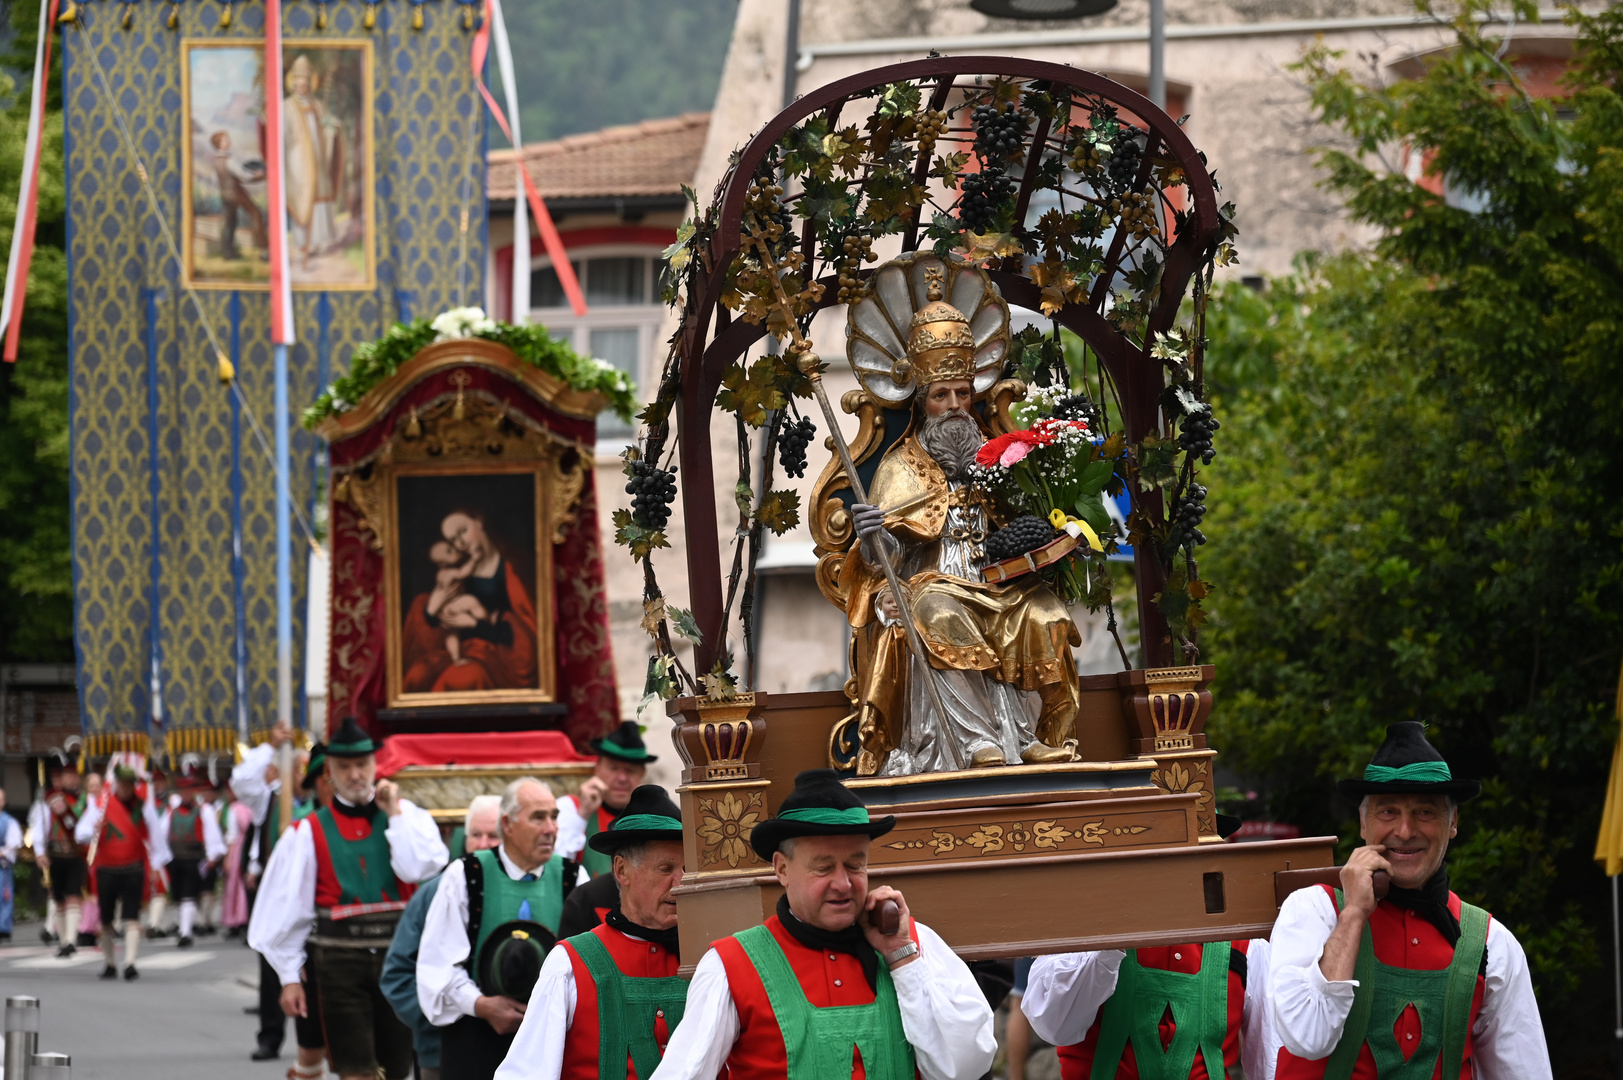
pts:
[1000, 654]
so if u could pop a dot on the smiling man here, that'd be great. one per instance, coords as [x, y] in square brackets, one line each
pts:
[1419, 984]
[820, 992]
[608, 999]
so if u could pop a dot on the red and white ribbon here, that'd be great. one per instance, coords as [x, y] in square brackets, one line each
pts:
[281, 283]
[22, 235]
[521, 225]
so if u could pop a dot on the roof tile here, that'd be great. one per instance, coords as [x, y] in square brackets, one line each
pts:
[655, 157]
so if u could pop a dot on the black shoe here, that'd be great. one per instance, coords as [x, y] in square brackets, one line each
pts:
[207, 931]
[66, 951]
[47, 938]
[250, 1010]
[265, 1052]
[184, 943]
[130, 974]
[108, 972]
[156, 934]
[87, 941]
[5, 939]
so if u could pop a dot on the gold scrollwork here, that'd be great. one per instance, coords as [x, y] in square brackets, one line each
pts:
[991, 839]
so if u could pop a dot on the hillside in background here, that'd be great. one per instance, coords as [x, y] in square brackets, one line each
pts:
[581, 67]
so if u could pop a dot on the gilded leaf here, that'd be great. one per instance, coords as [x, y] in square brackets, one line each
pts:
[780, 511]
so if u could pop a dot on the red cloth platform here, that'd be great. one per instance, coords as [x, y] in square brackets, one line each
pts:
[481, 748]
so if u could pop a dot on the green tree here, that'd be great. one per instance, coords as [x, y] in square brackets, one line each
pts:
[587, 66]
[36, 578]
[1418, 514]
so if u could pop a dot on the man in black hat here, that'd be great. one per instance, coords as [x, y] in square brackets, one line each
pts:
[336, 886]
[487, 932]
[612, 994]
[763, 1002]
[52, 821]
[1416, 984]
[622, 765]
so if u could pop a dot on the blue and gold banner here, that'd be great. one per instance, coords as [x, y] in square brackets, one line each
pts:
[173, 534]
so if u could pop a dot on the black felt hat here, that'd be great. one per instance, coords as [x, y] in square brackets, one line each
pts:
[625, 744]
[819, 806]
[1407, 764]
[315, 766]
[510, 959]
[649, 815]
[350, 741]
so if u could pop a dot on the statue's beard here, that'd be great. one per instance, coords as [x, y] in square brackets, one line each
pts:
[952, 439]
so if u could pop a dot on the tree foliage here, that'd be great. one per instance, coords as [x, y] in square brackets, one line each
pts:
[1423, 512]
[36, 579]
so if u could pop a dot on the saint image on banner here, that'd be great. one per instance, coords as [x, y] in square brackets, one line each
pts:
[467, 575]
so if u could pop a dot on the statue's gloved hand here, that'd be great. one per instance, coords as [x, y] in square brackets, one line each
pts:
[869, 519]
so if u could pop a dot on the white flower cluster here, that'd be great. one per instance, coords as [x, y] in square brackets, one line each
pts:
[1044, 398]
[338, 403]
[462, 322]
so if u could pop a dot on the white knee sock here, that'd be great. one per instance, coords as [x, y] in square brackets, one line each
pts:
[132, 940]
[188, 915]
[53, 917]
[107, 946]
[155, 911]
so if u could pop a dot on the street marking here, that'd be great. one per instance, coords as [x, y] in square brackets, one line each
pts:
[45, 963]
[169, 961]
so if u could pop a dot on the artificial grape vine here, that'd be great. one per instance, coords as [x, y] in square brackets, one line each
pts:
[652, 491]
[1025, 533]
[792, 443]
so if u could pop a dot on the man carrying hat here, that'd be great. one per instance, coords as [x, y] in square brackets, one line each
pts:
[333, 890]
[819, 991]
[120, 830]
[481, 831]
[1188, 1011]
[622, 764]
[189, 833]
[488, 930]
[1419, 984]
[608, 999]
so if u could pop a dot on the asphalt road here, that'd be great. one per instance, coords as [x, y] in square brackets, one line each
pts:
[182, 1020]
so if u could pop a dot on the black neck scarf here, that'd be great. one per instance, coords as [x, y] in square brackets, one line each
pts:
[851, 941]
[665, 939]
[339, 806]
[1430, 902]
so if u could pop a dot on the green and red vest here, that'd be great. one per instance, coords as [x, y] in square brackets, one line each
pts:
[1175, 1007]
[809, 1015]
[352, 861]
[271, 831]
[496, 899]
[628, 1000]
[597, 863]
[66, 808]
[186, 831]
[1417, 999]
[122, 840]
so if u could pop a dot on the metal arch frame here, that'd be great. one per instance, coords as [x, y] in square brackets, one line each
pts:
[1139, 380]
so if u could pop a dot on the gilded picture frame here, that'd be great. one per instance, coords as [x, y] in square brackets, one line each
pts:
[328, 154]
[446, 524]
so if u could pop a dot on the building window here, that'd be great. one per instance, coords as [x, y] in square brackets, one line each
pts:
[622, 322]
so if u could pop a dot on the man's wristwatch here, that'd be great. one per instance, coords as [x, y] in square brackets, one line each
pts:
[894, 958]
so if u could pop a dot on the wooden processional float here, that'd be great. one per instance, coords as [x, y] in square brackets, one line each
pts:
[468, 621]
[1119, 846]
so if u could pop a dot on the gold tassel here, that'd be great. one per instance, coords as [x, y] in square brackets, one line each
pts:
[371, 19]
[225, 18]
[228, 371]
[129, 14]
[321, 15]
[417, 17]
[414, 426]
[174, 16]
[467, 16]
[69, 16]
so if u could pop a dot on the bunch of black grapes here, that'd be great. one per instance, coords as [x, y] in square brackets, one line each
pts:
[999, 132]
[1195, 434]
[1025, 533]
[1122, 168]
[652, 491]
[983, 193]
[792, 443]
[1077, 407]
[1187, 516]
